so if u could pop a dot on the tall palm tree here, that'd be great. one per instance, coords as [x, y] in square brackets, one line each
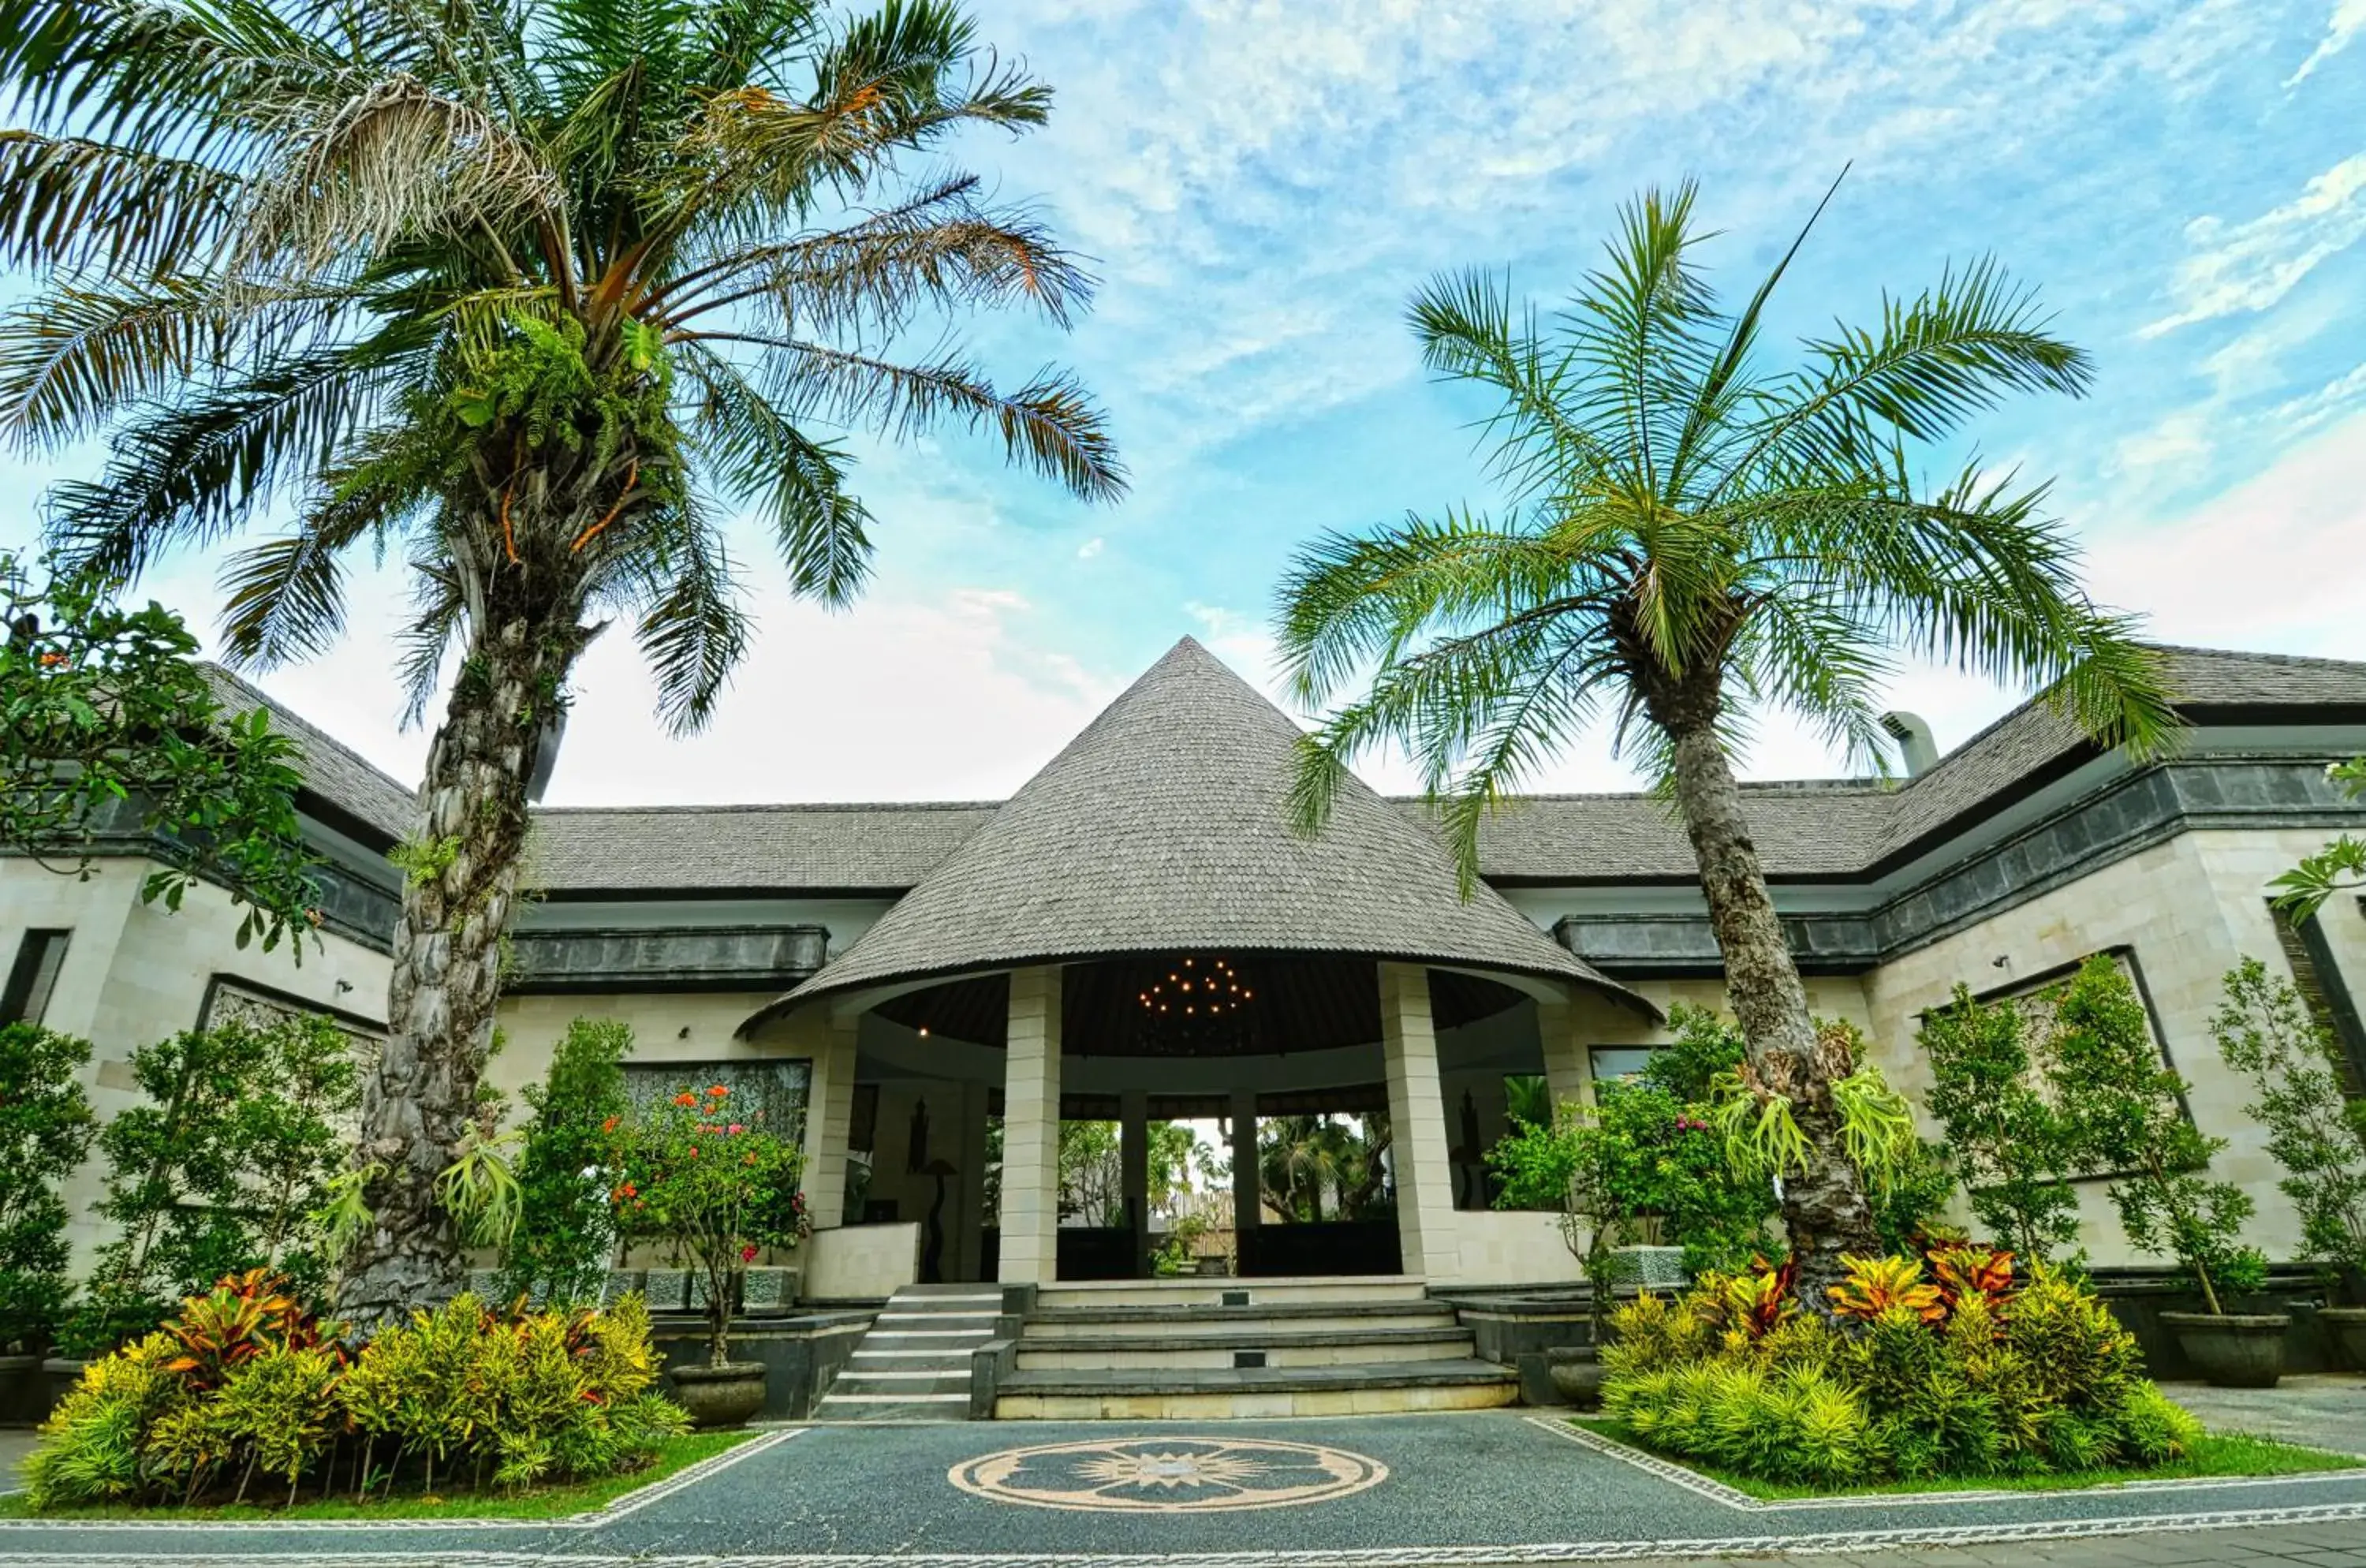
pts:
[531, 290]
[1692, 535]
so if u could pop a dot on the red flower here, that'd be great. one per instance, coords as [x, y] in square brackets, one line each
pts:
[748, 1253]
[685, 1098]
[717, 1093]
[735, 1128]
[694, 1151]
[609, 1125]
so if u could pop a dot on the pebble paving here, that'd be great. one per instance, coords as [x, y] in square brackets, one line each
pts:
[1461, 1490]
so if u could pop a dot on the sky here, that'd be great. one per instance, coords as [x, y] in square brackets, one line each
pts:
[1260, 187]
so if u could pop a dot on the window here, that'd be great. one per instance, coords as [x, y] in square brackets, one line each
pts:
[32, 977]
[2318, 980]
[1618, 1063]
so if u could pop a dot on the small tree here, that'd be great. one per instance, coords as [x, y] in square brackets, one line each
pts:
[45, 1130]
[2266, 1032]
[2126, 1114]
[2007, 1141]
[718, 1190]
[1589, 1177]
[226, 1167]
[107, 724]
[565, 1224]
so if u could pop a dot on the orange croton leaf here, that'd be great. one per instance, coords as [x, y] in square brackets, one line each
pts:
[1877, 1285]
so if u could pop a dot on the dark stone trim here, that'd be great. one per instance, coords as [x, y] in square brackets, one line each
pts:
[665, 958]
[2124, 817]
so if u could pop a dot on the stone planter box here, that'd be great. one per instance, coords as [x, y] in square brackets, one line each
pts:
[485, 1284]
[1651, 1267]
[2345, 1327]
[23, 1395]
[624, 1283]
[669, 1289]
[2232, 1349]
[59, 1376]
[769, 1292]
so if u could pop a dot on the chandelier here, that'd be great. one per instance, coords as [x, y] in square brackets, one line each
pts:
[1195, 996]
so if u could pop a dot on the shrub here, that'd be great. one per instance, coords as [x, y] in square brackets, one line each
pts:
[2005, 1139]
[45, 1130]
[2126, 1112]
[1955, 1373]
[245, 1383]
[564, 1227]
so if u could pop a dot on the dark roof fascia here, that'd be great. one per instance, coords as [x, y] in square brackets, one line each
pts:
[329, 814]
[1978, 811]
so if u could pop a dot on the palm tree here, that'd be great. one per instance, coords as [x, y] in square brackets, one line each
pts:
[1692, 536]
[531, 290]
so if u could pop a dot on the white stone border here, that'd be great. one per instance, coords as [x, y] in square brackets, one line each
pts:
[1732, 1497]
[1822, 1543]
[607, 1513]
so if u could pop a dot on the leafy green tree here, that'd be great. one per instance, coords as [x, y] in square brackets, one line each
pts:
[535, 292]
[46, 1128]
[2007, 1141]
[2126, 1114]
[2339, 867]
[107, 725]
[1592, 1177]
[223, 1167]
[1693, 537]
[2265, 1031]
[565, 1225]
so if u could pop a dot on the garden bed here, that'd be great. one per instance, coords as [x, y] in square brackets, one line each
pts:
[2216, 1457]
[676, 1454]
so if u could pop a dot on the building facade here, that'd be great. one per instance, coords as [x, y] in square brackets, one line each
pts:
[926, 991]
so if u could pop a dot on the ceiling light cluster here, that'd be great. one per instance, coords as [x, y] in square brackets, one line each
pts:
[1194, 990]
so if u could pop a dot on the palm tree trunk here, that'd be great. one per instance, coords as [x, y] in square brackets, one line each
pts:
[1824, 1208]
[419, 1100]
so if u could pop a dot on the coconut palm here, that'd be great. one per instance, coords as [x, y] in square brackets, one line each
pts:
[1692, 535]
[533, 291]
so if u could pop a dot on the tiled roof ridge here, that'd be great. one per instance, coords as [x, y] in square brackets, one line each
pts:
[754, 806]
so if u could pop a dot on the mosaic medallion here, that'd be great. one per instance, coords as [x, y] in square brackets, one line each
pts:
[1168, 1475]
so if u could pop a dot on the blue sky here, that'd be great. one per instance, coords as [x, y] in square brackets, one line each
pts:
[1261, 184]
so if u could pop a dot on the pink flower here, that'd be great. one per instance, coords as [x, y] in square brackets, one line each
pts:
[735, 1128]
[748, 1254]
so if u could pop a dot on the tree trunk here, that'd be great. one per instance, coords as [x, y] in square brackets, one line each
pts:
[1824, 1207]
[461, 878]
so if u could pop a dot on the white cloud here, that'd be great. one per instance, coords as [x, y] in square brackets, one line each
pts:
[2249, 266]
[1091, 547]
[2348, 19]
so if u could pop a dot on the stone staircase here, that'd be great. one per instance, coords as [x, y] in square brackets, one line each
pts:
[1194, 1348]
[914, 1362]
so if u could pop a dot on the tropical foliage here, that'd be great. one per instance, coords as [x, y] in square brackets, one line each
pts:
[247, 1386]
[715, 1190]
[108, 726]
[1691, 535]
[225, 1166]
[46, 1128]
[1937, 1366]
[2126, 1113]
[2266, 1032]
[1305, 1161]
[2339, 867]
[534, 294]
[2006, 1139]
[558, 1250]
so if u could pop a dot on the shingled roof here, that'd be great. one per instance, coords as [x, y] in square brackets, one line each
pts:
[332, 771]
[1162, 826]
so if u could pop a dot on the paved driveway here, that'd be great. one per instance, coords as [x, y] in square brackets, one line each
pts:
[1353, 1493]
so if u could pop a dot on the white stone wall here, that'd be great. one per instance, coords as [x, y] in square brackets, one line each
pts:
[136, 972]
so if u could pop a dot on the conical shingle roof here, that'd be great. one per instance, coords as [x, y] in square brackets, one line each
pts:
[1164, 826]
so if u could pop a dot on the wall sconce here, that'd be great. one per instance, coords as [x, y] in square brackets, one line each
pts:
[685, 1032]
[344, 986]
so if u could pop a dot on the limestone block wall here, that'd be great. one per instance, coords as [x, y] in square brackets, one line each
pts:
[691, 1026]
[135, 973]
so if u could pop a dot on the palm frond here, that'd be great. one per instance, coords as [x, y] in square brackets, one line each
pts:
[754, 452]
[70, 203]
[690, 628]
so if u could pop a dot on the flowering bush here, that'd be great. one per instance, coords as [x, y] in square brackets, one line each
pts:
[716, 1188]
[1963, 1373]
[246, 1383]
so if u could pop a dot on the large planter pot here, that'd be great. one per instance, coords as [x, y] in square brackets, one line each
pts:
[2347, 1326]
[24, 1398]
[1576, 1375]
[59, 1376]
[2232, 1349]
[720, 1396]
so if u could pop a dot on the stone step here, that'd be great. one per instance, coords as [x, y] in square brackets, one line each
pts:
[1294, 1348]
[1194, 1291]
[1165, 1322]
[1255, 1393]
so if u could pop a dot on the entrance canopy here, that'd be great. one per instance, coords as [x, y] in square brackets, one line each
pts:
[1162, 832]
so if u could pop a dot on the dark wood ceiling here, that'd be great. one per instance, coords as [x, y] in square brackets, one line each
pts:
[1272, 1004]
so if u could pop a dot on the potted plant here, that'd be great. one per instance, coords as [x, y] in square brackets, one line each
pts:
[718, 1191]
[2266, 1032]
[46, 1128]
[2126, 1109]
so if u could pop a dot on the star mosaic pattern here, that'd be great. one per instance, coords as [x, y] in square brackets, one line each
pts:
[1168, 1475]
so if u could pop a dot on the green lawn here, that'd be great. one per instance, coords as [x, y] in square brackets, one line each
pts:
[545, 1503]
[2233, 1453]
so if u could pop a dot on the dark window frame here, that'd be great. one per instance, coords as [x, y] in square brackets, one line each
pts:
[33, 976]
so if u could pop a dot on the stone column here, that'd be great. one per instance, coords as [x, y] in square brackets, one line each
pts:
[1569, 1067]
[1417, 1141]
[1248, 1189]
[1031, 1130]
[816, 1032]
[1133, 1167]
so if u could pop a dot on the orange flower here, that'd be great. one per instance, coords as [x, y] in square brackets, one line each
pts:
[685, 1098]
[717, 1093]
[694, 1151]
[609, 1125]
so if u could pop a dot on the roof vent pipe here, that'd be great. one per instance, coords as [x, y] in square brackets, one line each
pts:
[1914, 739]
